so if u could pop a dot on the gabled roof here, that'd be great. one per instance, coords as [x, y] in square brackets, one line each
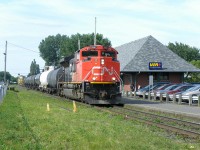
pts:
[135, 57]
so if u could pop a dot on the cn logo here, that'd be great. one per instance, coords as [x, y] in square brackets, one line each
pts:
[99, 71]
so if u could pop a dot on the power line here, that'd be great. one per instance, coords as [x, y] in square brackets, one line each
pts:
[22, 47]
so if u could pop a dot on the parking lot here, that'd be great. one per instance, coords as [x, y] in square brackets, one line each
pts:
[183, 93]
[173, 98]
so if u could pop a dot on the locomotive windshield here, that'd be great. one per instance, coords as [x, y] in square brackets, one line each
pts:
[89, 53]
[108, 54]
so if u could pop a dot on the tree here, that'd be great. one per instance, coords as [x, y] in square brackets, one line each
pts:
[50, 47]
[185, 51]
[8, 76]
[194, 77]
[34, 68]
[13, 79]
[190, 54]
[54, 47]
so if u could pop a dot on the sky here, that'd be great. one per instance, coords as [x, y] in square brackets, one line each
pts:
[25, 23]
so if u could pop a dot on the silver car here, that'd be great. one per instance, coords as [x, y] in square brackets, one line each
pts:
[194, 91]
[158, 93]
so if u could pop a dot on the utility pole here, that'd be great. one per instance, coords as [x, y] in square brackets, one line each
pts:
[95, 33]
[5, 62]
[79, 45]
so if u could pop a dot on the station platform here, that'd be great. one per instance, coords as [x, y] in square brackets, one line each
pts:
[183, 109]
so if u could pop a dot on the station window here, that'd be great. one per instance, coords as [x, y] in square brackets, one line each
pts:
[164, 76]
[161, 76]
[155, 76]
[89, 53]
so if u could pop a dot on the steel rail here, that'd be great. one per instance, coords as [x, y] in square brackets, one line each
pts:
[181, 131]
[164, 117]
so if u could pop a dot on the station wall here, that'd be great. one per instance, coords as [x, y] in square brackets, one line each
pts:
[142, 79]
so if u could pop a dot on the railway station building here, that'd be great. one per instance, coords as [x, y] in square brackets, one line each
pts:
[147, 56]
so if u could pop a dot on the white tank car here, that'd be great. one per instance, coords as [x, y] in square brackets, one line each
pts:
[43, 77]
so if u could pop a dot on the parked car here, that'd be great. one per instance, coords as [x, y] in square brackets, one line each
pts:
[149, 88]
[181, 88]
[163, 92]
[193, 91]
[195, 97]
[162, 87]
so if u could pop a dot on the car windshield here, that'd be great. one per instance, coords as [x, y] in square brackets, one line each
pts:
[146, 87]
[165, 86]
[156, 86]
[184, 88]
[194, 88]
[172, 87]
[178, 87]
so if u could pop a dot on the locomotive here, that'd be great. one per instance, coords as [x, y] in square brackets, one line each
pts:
[91, 75]
[20, 80]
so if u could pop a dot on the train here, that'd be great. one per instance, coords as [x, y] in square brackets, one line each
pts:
[91, 75]
[20, 80]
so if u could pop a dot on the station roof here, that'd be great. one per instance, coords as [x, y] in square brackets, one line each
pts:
[135, 57]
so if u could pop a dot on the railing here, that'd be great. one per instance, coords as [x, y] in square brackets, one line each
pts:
[3, 89]
[176, 99]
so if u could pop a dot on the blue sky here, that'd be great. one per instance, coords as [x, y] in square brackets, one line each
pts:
[26, 23]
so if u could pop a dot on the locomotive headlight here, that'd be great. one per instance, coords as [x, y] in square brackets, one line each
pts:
[102, 61]
[93, 78]
[113, 78]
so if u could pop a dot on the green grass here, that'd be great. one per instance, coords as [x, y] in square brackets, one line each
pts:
[25, 123]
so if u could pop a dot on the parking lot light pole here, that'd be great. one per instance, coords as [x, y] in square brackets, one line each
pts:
[5, 63]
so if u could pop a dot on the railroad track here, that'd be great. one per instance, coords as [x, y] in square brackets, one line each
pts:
[183, 127]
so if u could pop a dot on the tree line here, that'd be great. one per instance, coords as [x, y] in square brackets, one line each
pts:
[191, 55]
[53, 48]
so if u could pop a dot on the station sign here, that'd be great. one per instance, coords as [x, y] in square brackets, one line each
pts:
[155, 65]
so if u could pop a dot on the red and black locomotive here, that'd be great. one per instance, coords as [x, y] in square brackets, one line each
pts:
[93, 75]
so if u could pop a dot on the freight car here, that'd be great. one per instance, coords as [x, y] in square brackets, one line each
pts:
[43, 78]
[30, 82]
[91, 75]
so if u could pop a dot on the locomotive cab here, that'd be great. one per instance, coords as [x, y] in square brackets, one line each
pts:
[96, 64]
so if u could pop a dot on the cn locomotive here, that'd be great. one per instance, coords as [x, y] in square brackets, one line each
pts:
[20, 80]
[91, 75]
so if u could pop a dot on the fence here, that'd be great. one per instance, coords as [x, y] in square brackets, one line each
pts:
[3, 89]
[175, 99]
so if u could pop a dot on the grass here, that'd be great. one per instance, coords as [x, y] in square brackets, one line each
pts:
[25, 123]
